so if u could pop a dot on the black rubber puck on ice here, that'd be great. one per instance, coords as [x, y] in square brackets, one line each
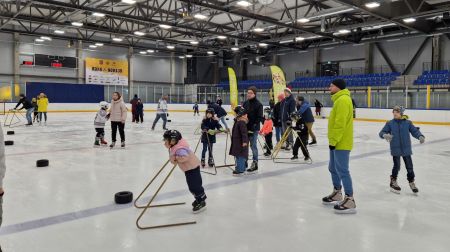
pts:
[42, 163]
[9, 142]
[169, 120]
[124, 197]
[227, 118]
[11, 132]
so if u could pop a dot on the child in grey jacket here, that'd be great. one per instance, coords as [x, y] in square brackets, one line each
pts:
[99, 122]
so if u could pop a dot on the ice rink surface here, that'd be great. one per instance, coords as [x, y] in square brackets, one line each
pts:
[69, 206]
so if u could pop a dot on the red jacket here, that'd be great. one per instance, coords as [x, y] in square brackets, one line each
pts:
[267, 127]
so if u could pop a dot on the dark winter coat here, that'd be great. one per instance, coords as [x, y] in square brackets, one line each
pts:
[26, 104]
[318, 105]
[276, 115]
[287, 107]
[254, 110]
[305, 112]
[36, 107]
[139, 108]
[300, 127]
[207, 124]
[271, 104]
[401, 141]
[218, 110]
[219, 102]
[238, 137]
[134, 102]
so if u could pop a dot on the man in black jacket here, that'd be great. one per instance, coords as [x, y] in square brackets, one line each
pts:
[220, 112]
[254, 110]
[26, 104]
[287, 108]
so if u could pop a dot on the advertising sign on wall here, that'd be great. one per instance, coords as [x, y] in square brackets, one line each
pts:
[106, 71]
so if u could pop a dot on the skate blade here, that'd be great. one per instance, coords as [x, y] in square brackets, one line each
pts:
[395, 191]
[333, 203]
[347, 211]
[239, 175]
[200, 210]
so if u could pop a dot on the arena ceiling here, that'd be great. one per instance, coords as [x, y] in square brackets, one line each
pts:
[252, 26]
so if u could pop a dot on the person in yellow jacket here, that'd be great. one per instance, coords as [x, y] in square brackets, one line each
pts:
[42, 103]
[340, 138]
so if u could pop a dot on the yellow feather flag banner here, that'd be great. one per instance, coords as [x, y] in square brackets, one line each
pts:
[278, 80]
[233, 88]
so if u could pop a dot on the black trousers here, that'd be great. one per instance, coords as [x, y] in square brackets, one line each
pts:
[121, 126]
[196, 112]
[408, 164]
[268, 139]
[297, 145]
[140, 115]
[194, 181]
[100, 132]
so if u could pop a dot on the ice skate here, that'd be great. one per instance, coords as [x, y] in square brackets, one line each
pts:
[333, 198]
[413, 187]
[238, 174]
[253, 168]
[112, 145]
[211, 162]
[203, 163]
[347, 206]
[394, 186]
[267, 154]
[198, 206]
[314, 142]
[295, 157]
[122, 144]
[103, 142]
[97, 142]
[307, 159]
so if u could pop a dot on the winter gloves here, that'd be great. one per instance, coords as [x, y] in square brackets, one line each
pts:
[422, 139]
[388, 137]
[332, 147]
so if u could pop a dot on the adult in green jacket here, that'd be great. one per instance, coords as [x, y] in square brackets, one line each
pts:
[340, 138]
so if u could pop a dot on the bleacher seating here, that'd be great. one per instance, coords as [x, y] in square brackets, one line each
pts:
[360, 80]
[436, 77]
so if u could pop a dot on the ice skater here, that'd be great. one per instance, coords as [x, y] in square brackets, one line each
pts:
[181, 154]
[318, 106]
[304, 110]
[266, 131]
[42, 107]
[26, 104]
[35, 112]
[161, 112]
[276, 117]
[397, 132]
[209, 126]
[99, 122]
[118, 116]
[139, 111]
[195, 108]
[240, 141]
[220, 112]
[302, 140]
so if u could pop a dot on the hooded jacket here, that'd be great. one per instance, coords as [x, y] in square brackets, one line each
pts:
[287, 107]
[238, 137]
[218, 110]
[305, 112]
[400, 129]
[182, 154]
[340, 121]
[42, 104]
[118, 111]
[100, 119]
[210, 124]
[254, 110]
[276, 115]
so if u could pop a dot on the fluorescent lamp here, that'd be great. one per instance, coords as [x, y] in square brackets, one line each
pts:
[210, 52]
[393, 40]
[171, 47]
[235, 48]
[372, 5]
[39, 40]
[163, 26]
[188, 56]
[143, 52]
[46, 38]
[299, 38]
[77, 24]
[244, 3]
[117, 39]
[92, 46]
[303, 20]
[409, 20]
[99, 44]
[222, 37]
[181, 57]
[344, 31]
[285, 41]
[98, 14]
[128, 1]
[200, 16]
[59, 31]
[334, 13]
[139, 33]
[194, 42]
[150, 51]
[263, 44]
[258, 29]
[328, 48]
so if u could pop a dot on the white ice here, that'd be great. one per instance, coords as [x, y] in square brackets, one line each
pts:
[278, 209]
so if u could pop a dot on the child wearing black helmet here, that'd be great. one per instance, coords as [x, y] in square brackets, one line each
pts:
[266, 131]
[302, 140]
[209, 126]
[181, 154]
[239, 140]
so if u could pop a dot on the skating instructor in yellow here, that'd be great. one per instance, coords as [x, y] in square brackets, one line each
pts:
[340, 138]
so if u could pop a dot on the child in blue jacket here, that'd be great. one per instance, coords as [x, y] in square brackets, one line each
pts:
[209, 126]
[397, 133]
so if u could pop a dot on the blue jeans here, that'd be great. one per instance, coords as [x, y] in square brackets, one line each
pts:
[240, 164]
[28, 115]
[164, 118]
[224, 122]
[408, 165]
[207, 147]
[278, 133]
[340, 174]
[254, 145]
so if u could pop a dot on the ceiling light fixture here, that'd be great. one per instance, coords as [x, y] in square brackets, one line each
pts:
[263, 44]
[188, 56]
[258, 29]
[409, 20]
[38, 40]
[164, 26]
[344, 31]
[77, 24]
[193, 42]
[139, 33]
[210, 52]
[98, 14]
[372, 5]
[222, 37]
[92, 46]
[46, 38]
[99, 44]
[235, 48]
[244, 3]
[59, 31]
[150, 51]
[171, 47]
[117, 39]
[143, 52]
[303, 20]
[128, 1]
[200, 16]
[299, 38]
[181, 57]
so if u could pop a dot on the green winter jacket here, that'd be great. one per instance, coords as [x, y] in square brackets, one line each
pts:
[340, 122]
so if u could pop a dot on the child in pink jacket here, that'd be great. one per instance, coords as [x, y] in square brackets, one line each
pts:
[181, 154]
[267, 130]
